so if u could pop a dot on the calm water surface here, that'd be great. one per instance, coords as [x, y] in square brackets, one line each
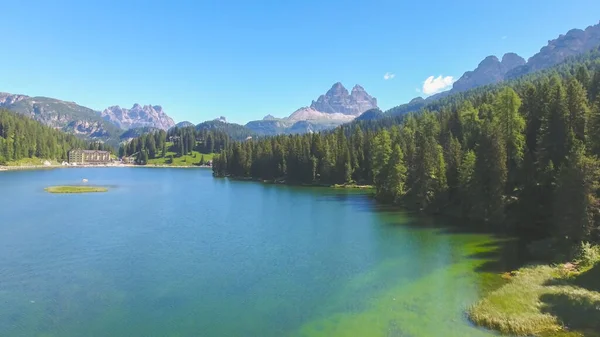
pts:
[174, 252]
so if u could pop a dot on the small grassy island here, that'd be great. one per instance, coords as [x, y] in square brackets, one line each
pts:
[75, 189]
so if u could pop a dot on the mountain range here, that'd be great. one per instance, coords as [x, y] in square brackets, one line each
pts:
[138, 116]
[109, 125]
[492, 70]
[335, 107]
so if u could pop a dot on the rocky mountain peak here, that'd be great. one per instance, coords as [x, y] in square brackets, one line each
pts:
[575, 42]
[490, 70]
[489, 61]
[511, 61]
[338, 100]
[337, 89]
[138, 116]
[358, 88]
[269, 117]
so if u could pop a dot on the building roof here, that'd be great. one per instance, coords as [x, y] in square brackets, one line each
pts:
[89, 151]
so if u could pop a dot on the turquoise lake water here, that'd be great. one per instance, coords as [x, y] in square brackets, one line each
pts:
[176, 252]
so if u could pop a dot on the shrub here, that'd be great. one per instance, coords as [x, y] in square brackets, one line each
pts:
[588, 254]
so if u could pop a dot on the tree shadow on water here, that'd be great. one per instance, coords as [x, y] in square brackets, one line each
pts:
[499, 256]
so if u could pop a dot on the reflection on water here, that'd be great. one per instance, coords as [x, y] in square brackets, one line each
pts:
[178, 253]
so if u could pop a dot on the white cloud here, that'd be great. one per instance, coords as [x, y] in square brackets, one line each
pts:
[433, 85]
[389, 76]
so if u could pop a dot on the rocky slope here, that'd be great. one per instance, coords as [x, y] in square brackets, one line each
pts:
[489, 71]
[575, 42]
[62, 115]
[138, 116]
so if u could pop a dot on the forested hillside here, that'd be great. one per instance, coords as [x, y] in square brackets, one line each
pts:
[179, 141]
[235, 131]
[521, 156]
[22, 137]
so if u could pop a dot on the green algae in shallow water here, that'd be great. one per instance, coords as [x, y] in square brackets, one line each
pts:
[287, 261]
[75, 189]
[431, 304]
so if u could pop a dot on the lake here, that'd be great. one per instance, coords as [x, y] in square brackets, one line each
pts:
[176, 252]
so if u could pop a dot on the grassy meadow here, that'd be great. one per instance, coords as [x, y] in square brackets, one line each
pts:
[192, 159]
[541, 300]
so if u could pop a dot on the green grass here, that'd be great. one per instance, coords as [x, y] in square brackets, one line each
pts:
[30, 162]
[192, 159]
[75, 189]
[544, 301]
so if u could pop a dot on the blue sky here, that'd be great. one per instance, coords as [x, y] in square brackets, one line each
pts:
[246, 59]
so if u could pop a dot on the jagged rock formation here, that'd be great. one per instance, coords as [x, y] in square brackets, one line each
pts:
[63, 115]
[138, 116]
[575, 42]
[335, 107]
[338, 100]
[489, 71]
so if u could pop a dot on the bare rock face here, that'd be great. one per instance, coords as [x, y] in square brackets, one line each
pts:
[63, 115]
[138, 116]
[7, 99]
[338, 100]
[489, 71]
[575, 42]
[511, 61]
[88, 129]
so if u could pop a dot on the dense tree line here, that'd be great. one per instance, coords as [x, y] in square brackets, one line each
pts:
[519, 157]
[184, 141]
[22, 137]
[101, 146]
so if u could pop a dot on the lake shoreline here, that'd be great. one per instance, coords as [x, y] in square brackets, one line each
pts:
[50, 167]
[494, 316]
[284, 182]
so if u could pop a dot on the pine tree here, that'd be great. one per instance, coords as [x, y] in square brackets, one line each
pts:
[557, 139]
[511, 125]
[430, 170]
[453, 155]
[466, 183]
[579, 112]
[396, 179]
[583, 76]
[575, 198]
[594, 129]
[382, 150]
[490, 175]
